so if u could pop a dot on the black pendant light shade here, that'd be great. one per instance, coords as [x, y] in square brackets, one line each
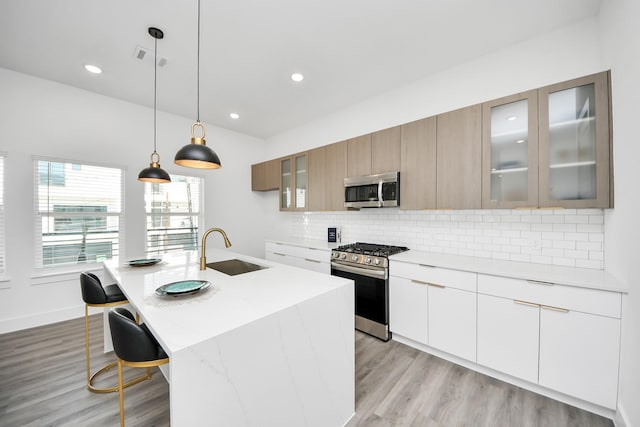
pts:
[154, 173]
[197, 154]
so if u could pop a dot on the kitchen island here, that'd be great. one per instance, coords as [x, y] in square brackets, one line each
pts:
[272, 347]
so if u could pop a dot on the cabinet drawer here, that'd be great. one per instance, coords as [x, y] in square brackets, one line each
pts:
[322, 255]
[457, 279]
[585, 300]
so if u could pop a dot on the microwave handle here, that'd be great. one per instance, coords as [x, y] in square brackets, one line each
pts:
[380, 199]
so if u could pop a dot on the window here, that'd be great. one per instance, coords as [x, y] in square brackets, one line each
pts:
[173, 212]
[78, 212]
[2, 235]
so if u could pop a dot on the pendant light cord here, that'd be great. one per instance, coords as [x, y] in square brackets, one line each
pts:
[198, 66]
[155, 86]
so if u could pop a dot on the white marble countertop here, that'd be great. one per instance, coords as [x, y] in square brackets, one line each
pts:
[580, 277]
[307, 243]
[231, 301]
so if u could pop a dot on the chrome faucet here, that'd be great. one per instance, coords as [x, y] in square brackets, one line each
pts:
[203, 249]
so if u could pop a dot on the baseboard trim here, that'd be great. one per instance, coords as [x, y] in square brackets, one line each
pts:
[40, 319]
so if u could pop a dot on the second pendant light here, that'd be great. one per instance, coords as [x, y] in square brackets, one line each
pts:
[197, 154]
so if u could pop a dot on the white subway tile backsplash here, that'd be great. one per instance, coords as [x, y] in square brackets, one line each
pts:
[571, 237]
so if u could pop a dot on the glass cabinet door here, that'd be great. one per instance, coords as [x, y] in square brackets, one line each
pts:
[510, 144]
[575, 143]
[301, 181]
[286, 184]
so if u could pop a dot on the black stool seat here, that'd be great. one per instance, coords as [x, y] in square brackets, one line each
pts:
[113, 293]
[134, 346]
[94, 293]
[133, 342]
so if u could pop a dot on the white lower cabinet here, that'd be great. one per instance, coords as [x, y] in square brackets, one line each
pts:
[435, 307]
[408, 309]
[508, 336]
[579, 355]
[313, 259]
[556, 337]
[563, 338]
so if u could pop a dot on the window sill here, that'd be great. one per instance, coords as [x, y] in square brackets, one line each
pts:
[48, 275]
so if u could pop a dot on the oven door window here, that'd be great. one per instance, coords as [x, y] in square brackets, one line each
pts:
[370, 296]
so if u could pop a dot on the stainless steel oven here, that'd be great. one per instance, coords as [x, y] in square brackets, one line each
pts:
[368, 266]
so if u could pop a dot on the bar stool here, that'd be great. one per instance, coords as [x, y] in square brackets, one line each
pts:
[134, 346]
[95, 295]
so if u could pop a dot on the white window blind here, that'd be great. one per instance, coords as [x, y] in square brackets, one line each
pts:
[78, 212]
[173, 213]
[2, 234]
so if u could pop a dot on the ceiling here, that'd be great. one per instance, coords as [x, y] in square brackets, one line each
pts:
[348, 50]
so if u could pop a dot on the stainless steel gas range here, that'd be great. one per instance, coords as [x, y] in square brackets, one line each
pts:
[367, 265]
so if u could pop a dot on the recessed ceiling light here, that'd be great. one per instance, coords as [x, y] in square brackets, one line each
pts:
[519, 141]
[297, 77]
[511, 118]
[93, 69]
[234, 116]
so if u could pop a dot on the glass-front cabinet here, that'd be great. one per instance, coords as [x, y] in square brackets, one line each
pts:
[510, 152]
[575, 143]
[293, 182]
[548, 147]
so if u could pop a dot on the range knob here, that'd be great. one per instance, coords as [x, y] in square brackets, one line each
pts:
[343, 256]
[376, 261]
[354, 257]
[368, 260]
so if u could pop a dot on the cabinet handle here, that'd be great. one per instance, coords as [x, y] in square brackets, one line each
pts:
[530, 304]
[435, 285]
[539, 282]
[276, 253]
[427, 265]
[549, 307]
[312, 260]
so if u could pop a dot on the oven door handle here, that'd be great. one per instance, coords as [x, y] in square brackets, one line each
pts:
[378, 274]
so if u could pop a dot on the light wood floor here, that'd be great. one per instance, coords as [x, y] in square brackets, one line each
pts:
[42, 383]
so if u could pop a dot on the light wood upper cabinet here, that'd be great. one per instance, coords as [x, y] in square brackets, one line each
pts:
[459, 148]
[418, 165]
[575, 143]
[359, 156]
[510, 151]
[265, 176]
[327, 171]
[385, 150]
[294, 182]
[374, 153]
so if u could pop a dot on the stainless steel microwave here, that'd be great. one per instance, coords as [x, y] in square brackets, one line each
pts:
[372, 191]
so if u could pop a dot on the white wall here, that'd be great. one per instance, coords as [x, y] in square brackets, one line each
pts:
[621, 44]
[40, 117]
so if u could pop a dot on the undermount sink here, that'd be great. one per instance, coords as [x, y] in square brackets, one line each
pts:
[233, 267]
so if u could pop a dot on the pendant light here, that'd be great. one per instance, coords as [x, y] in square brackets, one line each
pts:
[197, 154]
[154, 173]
